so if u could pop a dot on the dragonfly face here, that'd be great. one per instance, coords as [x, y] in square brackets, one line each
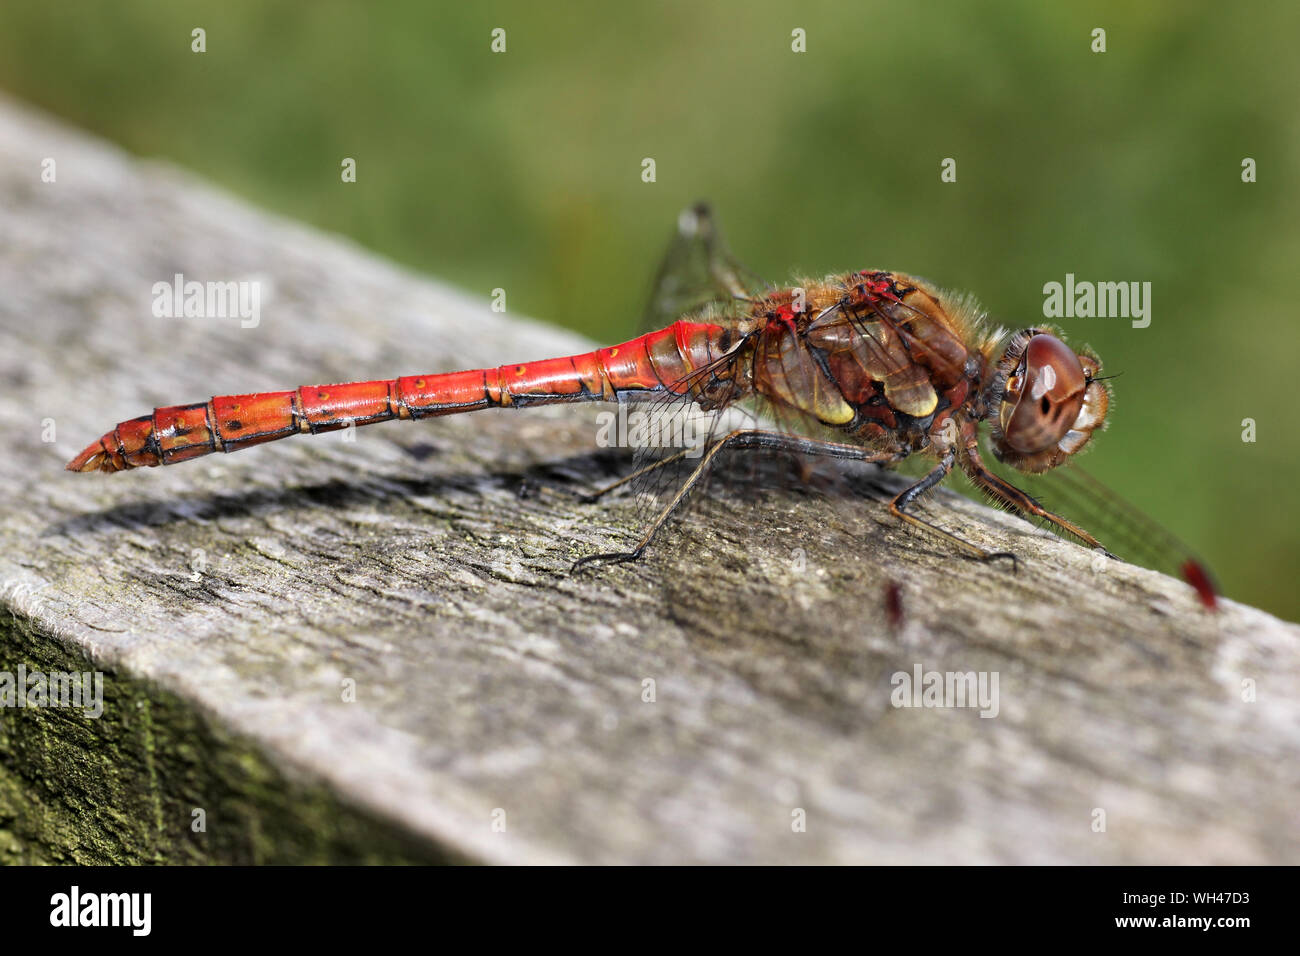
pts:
[1048, 401]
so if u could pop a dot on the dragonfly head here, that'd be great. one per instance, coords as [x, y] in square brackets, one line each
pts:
[1047, 401]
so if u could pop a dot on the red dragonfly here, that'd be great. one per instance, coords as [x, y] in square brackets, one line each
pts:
[869, 366]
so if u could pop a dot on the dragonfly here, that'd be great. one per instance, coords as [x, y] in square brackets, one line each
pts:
[870, 366]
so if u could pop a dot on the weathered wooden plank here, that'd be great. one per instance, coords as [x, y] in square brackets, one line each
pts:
[229, 599]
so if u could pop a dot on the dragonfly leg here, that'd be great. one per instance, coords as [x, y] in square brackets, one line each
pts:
[743, 438]
[898, 507]
[1018, 501]
[593, 496]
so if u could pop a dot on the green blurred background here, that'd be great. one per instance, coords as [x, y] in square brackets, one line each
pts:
[523, 170]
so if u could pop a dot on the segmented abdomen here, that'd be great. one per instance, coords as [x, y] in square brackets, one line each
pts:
[661, 360]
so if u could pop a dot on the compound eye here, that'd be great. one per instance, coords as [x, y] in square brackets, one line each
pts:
[1043, 399]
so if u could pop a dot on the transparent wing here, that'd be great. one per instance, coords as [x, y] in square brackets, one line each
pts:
[1121, 527]
[699, 272]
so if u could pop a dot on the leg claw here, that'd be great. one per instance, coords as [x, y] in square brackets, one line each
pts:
[613, 557]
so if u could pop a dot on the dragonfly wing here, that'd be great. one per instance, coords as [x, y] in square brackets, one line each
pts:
[698, 272]
[1122, 528]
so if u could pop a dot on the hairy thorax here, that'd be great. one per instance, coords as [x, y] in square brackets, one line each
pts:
[880, 356]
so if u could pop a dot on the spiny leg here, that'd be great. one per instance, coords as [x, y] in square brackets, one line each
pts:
[593, 496]
[743, 438]
[909, 495]
[1018, 500]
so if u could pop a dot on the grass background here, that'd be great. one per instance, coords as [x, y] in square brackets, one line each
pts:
[522, 170]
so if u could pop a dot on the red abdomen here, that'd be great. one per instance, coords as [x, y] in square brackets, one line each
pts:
[658, 361]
